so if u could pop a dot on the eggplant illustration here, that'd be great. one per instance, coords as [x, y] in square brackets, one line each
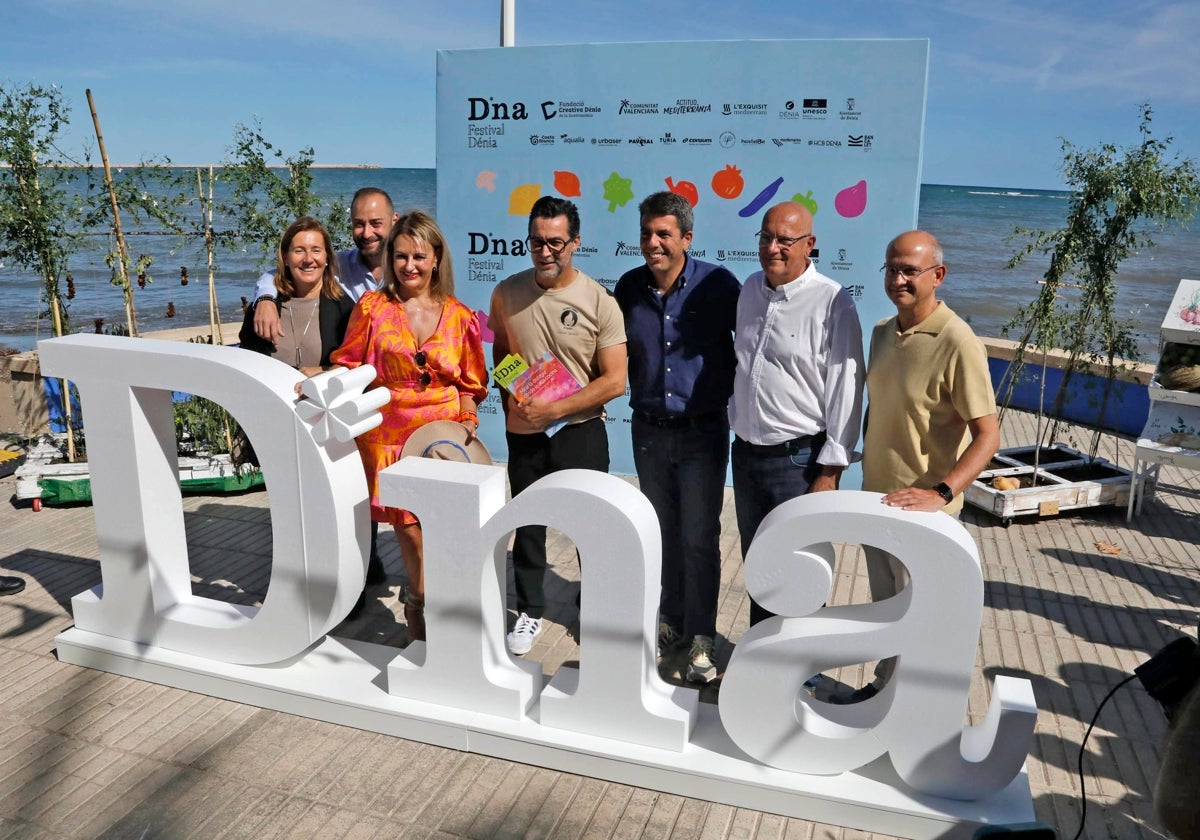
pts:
[761, 199]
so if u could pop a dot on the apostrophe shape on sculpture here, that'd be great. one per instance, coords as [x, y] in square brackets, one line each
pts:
[335, 404]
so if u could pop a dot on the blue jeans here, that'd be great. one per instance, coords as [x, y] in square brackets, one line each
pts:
[682, 472]
[761, 482]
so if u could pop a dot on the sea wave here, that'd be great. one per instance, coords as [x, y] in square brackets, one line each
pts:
[1008, 194]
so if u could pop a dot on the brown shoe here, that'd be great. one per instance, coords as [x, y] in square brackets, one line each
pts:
[414, 617]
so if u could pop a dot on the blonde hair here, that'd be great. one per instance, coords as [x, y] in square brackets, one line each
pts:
[422, 227]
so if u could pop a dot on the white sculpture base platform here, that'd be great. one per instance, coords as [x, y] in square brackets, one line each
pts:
[767, 745]
[345, 682]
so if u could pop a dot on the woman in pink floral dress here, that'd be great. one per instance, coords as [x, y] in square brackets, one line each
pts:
[427, 350]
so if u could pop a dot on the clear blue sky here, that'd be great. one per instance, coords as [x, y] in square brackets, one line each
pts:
[355, 79]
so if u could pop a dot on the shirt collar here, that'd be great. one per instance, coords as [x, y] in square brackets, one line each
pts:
[791, 288]
[934, 324]
[681, 281]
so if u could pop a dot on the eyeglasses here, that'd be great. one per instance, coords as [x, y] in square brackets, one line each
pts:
[556, 246]
[421, 359]
[765, 240]
[905, 273]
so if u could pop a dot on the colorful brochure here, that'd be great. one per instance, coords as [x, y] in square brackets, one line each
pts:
[547, 378]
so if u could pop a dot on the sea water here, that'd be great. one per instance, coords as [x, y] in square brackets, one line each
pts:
[974, 224]
[236, 271]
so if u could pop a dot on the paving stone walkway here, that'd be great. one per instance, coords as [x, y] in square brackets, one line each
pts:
[1073, 602]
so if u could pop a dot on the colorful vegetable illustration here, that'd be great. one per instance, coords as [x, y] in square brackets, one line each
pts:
[521, 199]
[618, 191]
[486, 180]
[760, 200]
[1190, 314]
[727, 182]
[567, 183]
[485, 331]
[851, 201]
[807, 201]
[686, 189]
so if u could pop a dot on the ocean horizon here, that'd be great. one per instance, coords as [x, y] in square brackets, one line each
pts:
[974, 223]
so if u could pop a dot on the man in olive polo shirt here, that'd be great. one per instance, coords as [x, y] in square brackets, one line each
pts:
[931, 417]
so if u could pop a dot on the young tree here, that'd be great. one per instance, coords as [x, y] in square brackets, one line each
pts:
[38, 216]
[151, 191]
[1119, 196]
[263, 203]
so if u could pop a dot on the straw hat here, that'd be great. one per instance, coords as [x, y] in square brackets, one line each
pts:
[446, 440]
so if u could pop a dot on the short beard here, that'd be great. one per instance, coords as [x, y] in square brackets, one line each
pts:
[552, 272]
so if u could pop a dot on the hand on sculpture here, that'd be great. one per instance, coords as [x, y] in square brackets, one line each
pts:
[914, 498]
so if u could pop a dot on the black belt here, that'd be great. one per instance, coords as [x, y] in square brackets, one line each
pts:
[678, 421]
[788, 447]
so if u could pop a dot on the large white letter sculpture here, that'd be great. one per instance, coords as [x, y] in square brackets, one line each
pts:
[612, 717]
[616, 691]
[318, 494]
[932, 626]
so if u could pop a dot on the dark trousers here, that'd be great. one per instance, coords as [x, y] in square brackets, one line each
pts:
[762, 482]
[375, 570]
[575, 446]
[682, 472]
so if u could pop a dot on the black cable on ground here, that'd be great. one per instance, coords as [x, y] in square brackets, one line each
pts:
[1083, 748]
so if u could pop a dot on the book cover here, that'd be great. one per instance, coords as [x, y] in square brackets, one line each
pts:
[546, 378]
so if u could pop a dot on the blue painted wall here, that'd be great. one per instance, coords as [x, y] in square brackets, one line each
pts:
[1128, 405]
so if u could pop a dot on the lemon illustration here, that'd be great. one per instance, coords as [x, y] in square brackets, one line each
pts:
[521, 199]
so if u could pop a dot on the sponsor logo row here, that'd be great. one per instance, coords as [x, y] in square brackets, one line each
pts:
[491, 137]
[486, 255]
[490, 109]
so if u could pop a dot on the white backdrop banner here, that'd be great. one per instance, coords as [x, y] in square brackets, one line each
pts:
[735, 127]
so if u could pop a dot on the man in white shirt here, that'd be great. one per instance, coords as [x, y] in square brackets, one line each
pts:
[797, 392]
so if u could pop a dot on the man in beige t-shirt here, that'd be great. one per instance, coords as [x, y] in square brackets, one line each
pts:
[554, 307]
[931, 418]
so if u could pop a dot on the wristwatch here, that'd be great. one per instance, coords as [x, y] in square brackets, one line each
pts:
[261, 298]
[943, 490]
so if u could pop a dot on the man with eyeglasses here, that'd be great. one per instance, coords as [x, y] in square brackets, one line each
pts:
[797, 392]
[554, 307]
[679, 315]
[931, 414]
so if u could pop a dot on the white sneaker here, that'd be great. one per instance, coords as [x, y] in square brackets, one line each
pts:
[520, 640]
[668, 640]
[700, 666]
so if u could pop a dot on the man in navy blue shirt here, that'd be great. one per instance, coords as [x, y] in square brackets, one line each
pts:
[679, 318]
